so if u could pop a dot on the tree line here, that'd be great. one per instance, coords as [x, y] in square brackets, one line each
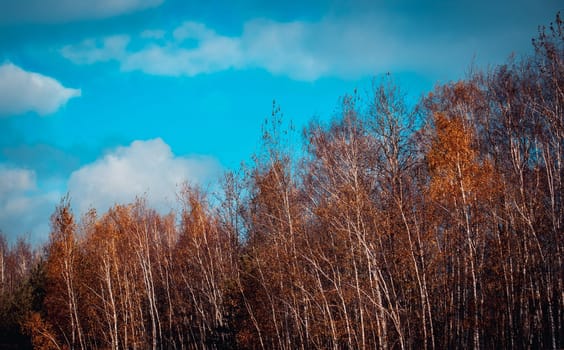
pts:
[394, 226]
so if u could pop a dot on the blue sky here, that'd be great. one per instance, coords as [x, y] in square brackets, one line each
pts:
[110, 99]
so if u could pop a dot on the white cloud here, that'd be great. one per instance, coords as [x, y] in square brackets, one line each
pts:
[142, 168]
[50, 11]
[193, 30]
[92, 51]
[22, 91]
[24, 208]
[15, 180]
[213, 53]
[285, 48]
[348, 47]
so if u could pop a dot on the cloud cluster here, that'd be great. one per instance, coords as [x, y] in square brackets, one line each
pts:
[143, 168]
[50, 11]
[24, 208]
[22, 91]
[15, 180]
[348, 47]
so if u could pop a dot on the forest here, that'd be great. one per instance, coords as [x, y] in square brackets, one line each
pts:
[392, 226]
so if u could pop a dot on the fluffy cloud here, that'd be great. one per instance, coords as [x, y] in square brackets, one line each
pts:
[193, 48]
[22, 91]
[49, 11]
[347, 47]
[16, 180]
[92, 51]
[24, 208]
[143, 168]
